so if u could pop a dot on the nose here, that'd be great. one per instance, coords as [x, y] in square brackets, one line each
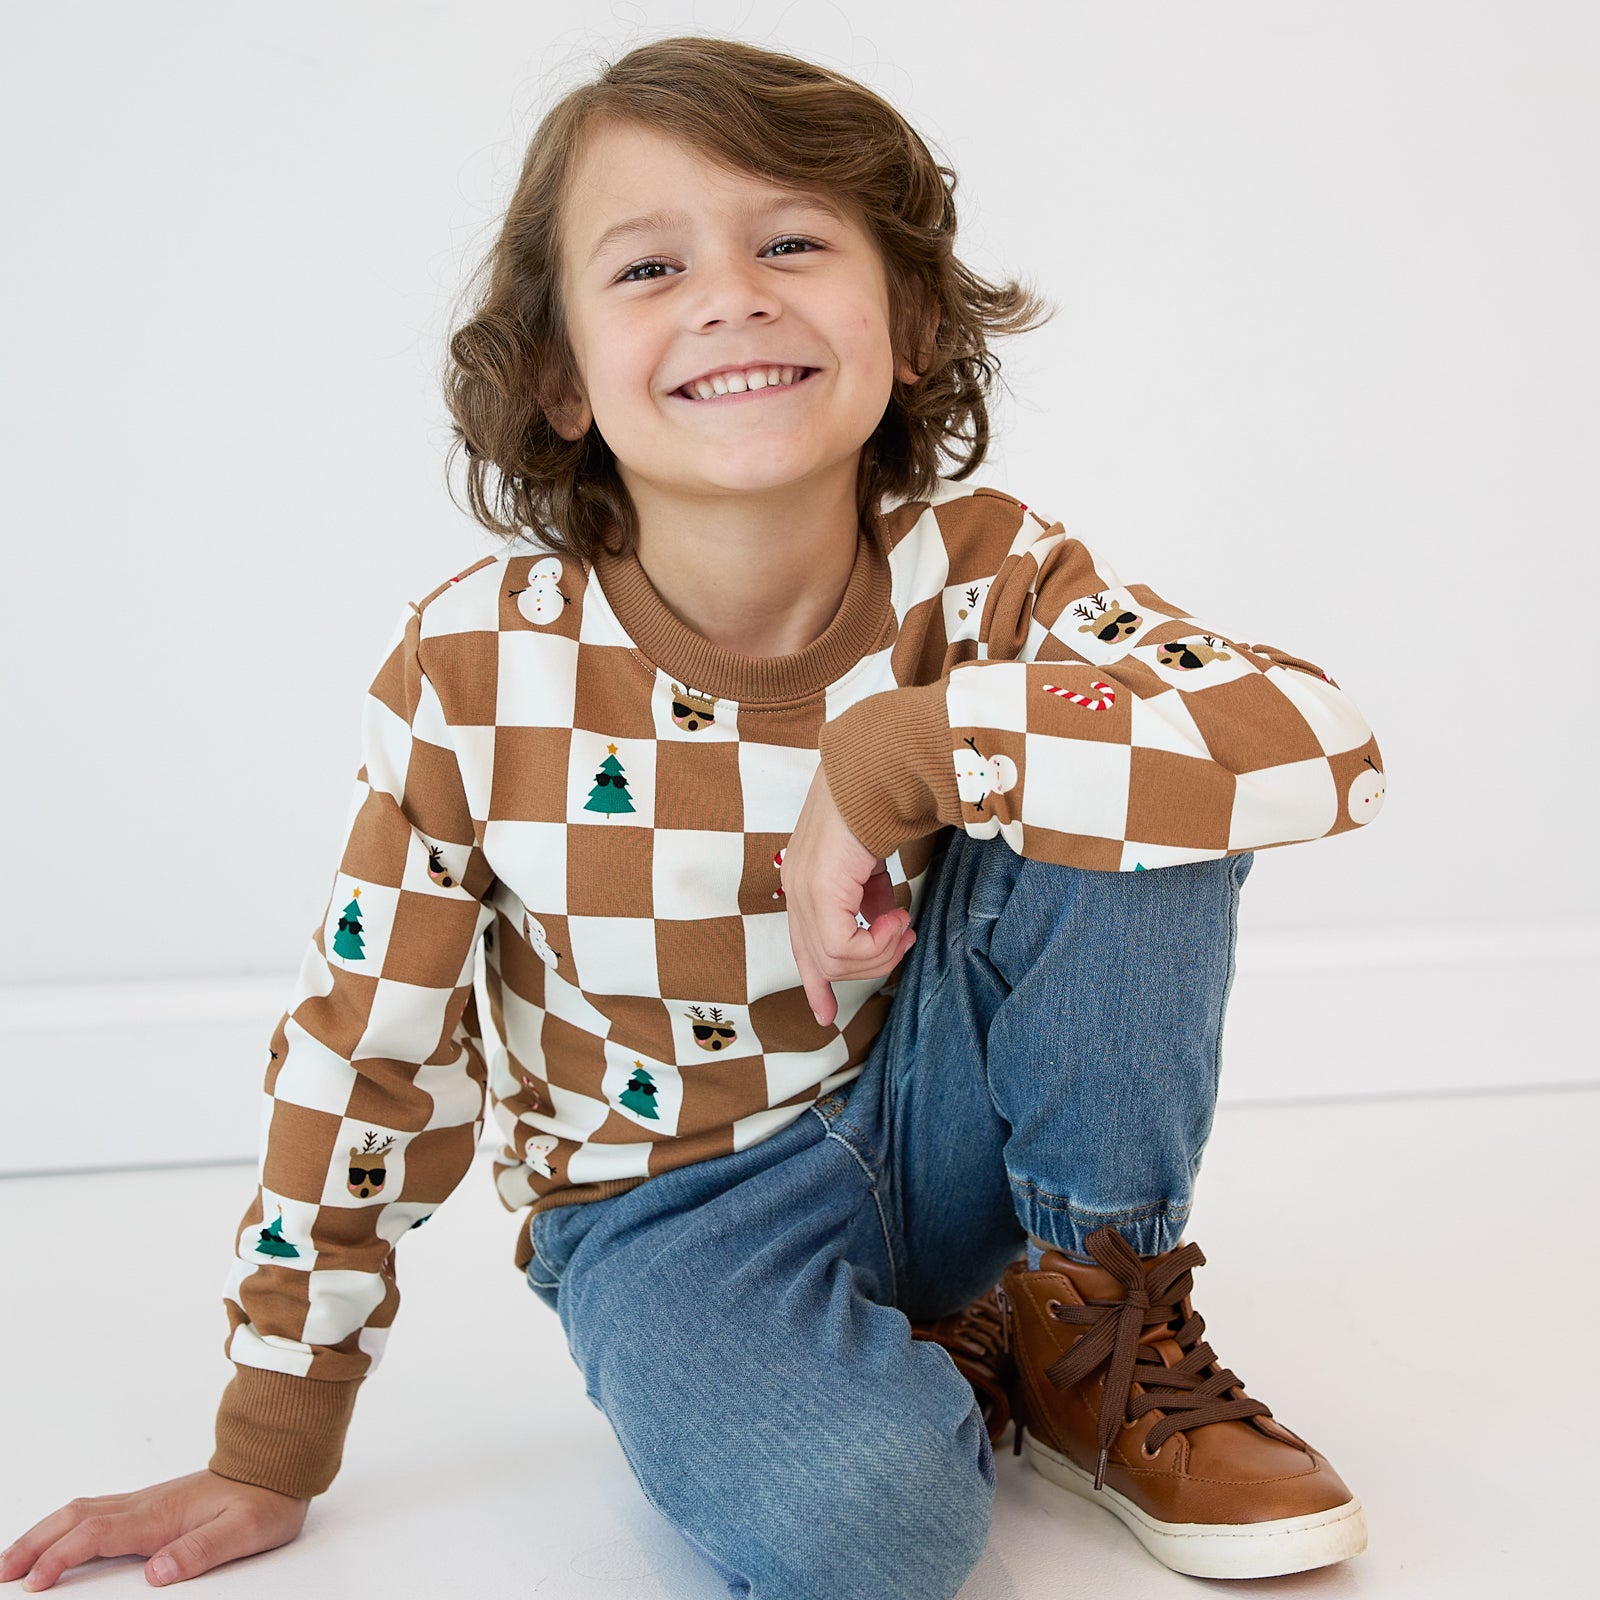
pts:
[733, 290]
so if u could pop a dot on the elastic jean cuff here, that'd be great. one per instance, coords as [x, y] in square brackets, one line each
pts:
[1149, 1229]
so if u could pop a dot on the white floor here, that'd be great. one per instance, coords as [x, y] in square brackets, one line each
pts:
[1409, 1283]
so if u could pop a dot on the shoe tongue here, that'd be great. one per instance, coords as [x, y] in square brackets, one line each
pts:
[1091, 1280]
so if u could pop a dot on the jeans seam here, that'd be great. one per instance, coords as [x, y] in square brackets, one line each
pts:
[877, 1200]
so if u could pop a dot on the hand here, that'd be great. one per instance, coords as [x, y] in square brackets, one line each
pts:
[828, 876]
[197, 1523]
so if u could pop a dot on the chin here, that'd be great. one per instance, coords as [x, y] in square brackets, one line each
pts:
[761, 477]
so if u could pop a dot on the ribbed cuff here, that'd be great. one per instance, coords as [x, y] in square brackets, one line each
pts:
[889, 768]
[282, 1432]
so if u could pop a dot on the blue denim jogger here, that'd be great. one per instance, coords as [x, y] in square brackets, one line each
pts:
[1049, 1066]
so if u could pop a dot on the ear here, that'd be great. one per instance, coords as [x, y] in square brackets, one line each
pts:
[904, 370]
[570, 417]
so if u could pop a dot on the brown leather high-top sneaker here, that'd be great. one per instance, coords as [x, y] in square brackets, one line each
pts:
[976, 1339]
[1123, 1402]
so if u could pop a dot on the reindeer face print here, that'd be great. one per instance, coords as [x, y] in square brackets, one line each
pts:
[963, 608]
[437, 869]
[1186, 654]
[1110, 624]
[691, 711]
[368, 1172]
[710, 1032]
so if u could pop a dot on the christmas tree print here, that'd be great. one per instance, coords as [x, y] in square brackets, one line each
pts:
[610, 791]
[347, 941]
[640, 1095]
[272, 1241]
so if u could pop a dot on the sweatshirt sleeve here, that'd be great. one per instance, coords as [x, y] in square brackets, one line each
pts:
[1104, 727]
[373, 1098]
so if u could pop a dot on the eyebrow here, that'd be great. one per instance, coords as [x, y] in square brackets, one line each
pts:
[665, 221]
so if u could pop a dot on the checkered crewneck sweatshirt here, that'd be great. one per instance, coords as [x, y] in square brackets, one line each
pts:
[559, 772]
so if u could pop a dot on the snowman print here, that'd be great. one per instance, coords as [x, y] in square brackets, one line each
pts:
[538, 1154]
[978, 776]
[1365, 800]
[533, 928]
[542, 601]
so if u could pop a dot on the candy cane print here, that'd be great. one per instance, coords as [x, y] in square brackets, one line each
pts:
[1107, 696]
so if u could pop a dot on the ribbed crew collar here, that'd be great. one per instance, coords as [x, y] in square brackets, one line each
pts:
[698, 664]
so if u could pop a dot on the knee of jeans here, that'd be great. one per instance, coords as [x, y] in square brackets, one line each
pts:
[879, 1518]
[900, 1512]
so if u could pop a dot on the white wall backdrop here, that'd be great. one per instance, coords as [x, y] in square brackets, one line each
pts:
[1322, 370]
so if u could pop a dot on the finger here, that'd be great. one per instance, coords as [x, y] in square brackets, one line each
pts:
[819, 993]
[877, 895]
[890, 937]
[20, 1556]
[857, 952]
[908, 937]
[99, 1534]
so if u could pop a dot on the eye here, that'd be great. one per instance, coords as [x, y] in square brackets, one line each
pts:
[808, 244]
[627, 275]
[640, 271]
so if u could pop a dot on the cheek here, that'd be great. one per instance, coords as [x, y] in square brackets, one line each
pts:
[614, 361]
[870, 347]
[620, 388]
[874, 329]
[611, 365]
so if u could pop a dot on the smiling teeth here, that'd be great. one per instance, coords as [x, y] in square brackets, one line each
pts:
[739, 382]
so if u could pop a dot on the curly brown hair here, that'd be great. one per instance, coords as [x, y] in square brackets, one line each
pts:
[778, 118]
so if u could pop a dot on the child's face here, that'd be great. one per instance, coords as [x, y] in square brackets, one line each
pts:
[727, 286]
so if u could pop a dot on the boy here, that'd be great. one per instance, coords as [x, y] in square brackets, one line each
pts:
[713, 769]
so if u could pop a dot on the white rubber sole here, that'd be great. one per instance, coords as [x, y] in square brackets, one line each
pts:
[1218, 1550]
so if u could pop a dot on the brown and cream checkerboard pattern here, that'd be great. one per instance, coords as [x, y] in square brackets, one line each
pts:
[558, 769]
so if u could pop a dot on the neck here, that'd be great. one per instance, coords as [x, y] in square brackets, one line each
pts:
[756, 574]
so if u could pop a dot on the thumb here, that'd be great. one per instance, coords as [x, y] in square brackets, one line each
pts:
[877, 894]
[198, 1551]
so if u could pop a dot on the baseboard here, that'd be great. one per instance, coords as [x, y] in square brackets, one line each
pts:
[169, 1073]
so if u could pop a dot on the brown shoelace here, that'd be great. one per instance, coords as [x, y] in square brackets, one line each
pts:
[1190, 1394]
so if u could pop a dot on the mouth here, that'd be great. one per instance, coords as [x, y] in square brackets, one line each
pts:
[748, 383]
